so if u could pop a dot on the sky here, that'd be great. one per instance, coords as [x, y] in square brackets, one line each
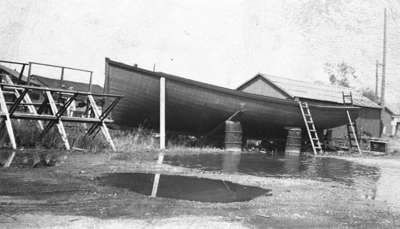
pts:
[223, 42]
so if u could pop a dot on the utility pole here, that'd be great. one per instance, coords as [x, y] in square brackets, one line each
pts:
[376, 79]
[384, 61]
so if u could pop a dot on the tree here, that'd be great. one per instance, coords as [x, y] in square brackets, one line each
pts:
[340, 74]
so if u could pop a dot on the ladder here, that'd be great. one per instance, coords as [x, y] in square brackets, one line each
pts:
[310, 127]
[352, 134]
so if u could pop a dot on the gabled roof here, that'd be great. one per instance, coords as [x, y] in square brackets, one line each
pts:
[77, 86]
[308, 90]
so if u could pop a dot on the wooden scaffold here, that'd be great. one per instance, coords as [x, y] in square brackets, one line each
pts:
[50, 111]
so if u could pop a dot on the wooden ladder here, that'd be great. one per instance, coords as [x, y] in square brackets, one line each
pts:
[352, 134]
[310, 127]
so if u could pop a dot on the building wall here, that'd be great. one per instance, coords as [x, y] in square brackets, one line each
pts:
[368, 124]
[262, 88]
[387, 123]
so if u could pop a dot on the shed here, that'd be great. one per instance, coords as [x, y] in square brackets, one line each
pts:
[368, 123]
[391, 119]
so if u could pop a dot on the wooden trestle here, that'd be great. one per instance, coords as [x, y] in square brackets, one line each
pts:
[16, 103]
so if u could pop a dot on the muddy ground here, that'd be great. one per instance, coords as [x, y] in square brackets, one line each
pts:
[69, 195]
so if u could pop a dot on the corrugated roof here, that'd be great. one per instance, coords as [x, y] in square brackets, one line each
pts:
[316, 91]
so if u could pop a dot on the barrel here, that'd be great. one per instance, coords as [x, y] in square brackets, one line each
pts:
[293, 141]
[233, 136]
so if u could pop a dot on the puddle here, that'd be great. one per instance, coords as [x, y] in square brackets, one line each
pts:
[184, 187]
[328, 169]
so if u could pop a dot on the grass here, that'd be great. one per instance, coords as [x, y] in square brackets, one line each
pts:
[143, 144]
[28, 135]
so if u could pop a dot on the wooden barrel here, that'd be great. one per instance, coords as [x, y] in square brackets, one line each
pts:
[293, 141]
[233, 136]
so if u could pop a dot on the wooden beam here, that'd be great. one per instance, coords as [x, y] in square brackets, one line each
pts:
[59, 113]
[162, 136]
[17, 102]
[27, 100]
[47, 117]
[59, 66]
[21, 73]
[10, 159]
[103, 116]
[90, 82]
[162, 113]
[61, 77]
[59, 124]
[155, 185]
[7, 120]
[62, 91]
[103, 126]
[28, 80]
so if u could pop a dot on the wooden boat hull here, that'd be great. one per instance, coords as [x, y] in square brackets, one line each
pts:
[196, 107]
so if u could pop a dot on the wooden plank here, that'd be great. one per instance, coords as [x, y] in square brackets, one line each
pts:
[162, 136]
[59, 113]
[46, 117]
[62, 91]
[59, 124]
[10, 159]
[7, 120]
[155, 185]
[103, 126]
[162, 113]
[17, 102]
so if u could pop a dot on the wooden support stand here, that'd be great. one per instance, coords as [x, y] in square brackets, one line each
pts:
[293, 141]
[102, 125]
[57, 112]
[59, 123]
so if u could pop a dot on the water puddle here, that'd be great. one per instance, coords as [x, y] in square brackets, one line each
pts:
[184, 187]
[328, 169]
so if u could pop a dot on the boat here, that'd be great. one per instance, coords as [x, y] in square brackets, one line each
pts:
[197, 108]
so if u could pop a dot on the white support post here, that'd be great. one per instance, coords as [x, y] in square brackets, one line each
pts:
[60, 125]
[10, 159]
[162, 136]
[162, 113]
[7, 120]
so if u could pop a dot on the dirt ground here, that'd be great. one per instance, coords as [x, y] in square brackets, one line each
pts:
[69, 195]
